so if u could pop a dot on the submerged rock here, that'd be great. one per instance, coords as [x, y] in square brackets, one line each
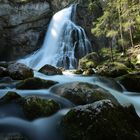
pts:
[35, 83]
[101, 120]
[131, 81]
[81, 93]
[50, 70]
[35, 107]
[112, 69]
[19, 71]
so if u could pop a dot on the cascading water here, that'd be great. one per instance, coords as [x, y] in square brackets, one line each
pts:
[65, 43]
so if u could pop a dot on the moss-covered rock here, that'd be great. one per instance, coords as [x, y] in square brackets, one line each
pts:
[82, 93]
[101, 120]
[50, 70]
[131, 81]
[88, 72]
[19, 71]
[112, 69]
[89, 61]
[35, 83]
[35, 107]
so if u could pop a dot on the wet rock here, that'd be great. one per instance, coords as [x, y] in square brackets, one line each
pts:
[112, 69]
[101, 120]
[50, 70]
[12, 136]
[3, 72]
[35, 83]
[35, 107]
[11, 97]
[131, 81]
[19, 71]
[81, 93]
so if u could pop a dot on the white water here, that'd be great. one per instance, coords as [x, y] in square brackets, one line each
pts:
[64, 44]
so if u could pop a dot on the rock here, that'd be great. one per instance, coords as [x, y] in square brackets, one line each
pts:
[89, 61]
[19, 71]
[112, 69]
[36, 107]
[23, 24]
[50, 70]
[101, 120]
[78, 71]
[88, 72]
[35, 83]
[3, 72]
[81, 93]
[11, 97]
[12, 136]
[131, 81]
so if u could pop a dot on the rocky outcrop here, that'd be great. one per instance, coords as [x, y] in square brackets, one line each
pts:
[81, 93]
[22, 26]
[101, 120]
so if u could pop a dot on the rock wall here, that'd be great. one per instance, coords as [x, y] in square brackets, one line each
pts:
[23, 24]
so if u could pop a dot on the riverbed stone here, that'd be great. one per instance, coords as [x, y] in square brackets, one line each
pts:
[50, 70]
[35, 83]
[131, 81]
[81, 93]
[36, 107]
[101, 120]
[19, 71]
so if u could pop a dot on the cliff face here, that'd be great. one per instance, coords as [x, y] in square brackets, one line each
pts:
[23, 24]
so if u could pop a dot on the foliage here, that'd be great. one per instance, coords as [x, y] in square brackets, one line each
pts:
[120, 21]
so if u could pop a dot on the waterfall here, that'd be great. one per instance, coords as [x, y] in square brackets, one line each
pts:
[65, 43]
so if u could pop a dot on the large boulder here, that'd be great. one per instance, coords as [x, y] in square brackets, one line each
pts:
[35, 83]
[3, 72]
[81, 93]
[89, 61]
[131, 81]
[112, 69]
[19, 71]
[23, 24]
[35, 107]
[50, 70]
[101, 120]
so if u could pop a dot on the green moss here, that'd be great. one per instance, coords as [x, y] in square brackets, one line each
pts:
[100, 121]
[35, 107]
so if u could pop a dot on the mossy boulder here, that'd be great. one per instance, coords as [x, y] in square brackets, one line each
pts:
[50, 70]
[131, 81]
[19, 71]
[81, 93]
[112, 69]
[89, 61]
[35, 107]
[101, 120]
[35, 83]
[88, 72]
